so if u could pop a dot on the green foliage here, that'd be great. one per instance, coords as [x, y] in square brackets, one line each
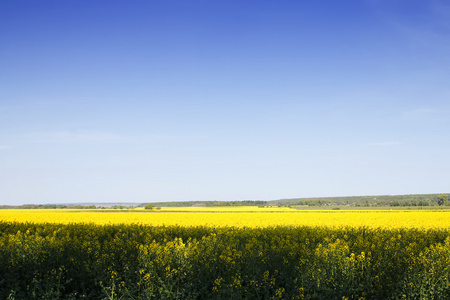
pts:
[442, 199]
[368, 201]
[88, 261]
[207, 203]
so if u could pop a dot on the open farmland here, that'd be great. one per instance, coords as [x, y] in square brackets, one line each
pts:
[237, 253]
[237, 217]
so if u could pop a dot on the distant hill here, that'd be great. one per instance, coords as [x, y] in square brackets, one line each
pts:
[84, 205]
[377, 200]
[356, 201]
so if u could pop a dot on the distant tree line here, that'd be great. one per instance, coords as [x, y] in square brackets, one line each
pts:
[152, 207]
[372, 201]
[206, 203]
[355, 201]
[48, 206]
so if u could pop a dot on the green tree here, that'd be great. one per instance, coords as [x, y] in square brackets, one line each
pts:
[442, 199]
[149, 206]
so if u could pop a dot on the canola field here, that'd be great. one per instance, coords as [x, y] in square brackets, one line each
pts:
[237, 253]
[237, 217]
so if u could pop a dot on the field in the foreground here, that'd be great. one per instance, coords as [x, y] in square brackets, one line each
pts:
[242, 217]
[87, 261]
[235, 253]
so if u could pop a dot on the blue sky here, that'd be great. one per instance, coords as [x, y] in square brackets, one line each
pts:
[142, 101]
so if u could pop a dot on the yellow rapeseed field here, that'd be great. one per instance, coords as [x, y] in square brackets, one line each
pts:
[238, 218]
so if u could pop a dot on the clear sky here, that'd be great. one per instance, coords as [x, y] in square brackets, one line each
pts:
[142, 101]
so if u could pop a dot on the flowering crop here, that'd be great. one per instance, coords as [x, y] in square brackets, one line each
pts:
[69, 254]
[239, 218]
